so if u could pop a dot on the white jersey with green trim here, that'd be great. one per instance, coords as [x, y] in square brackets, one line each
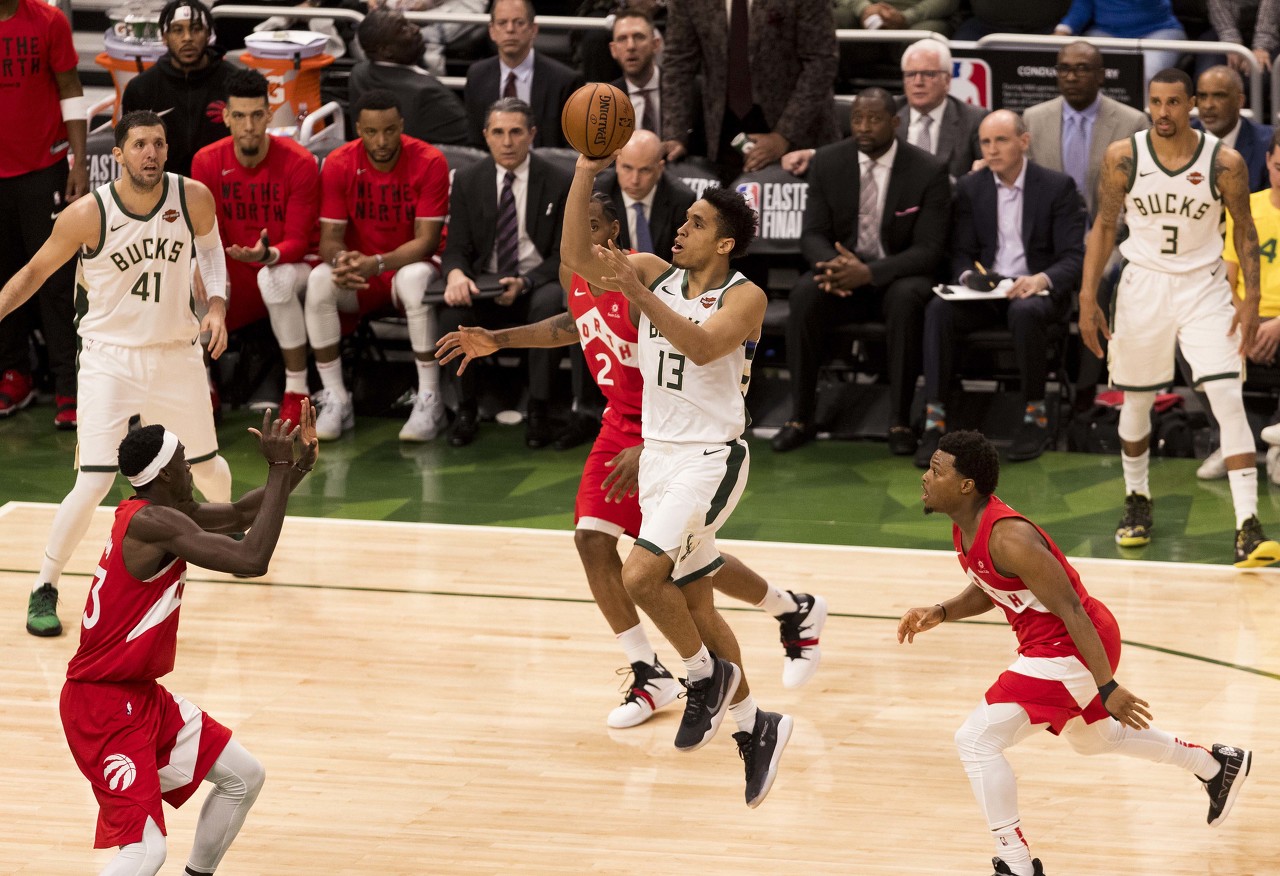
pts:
[686, 403]
[133, 288]
[1174, 216]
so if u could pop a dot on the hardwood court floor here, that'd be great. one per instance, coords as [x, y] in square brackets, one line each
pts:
[431, 699]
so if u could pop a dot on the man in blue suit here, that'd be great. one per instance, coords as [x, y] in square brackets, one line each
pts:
[1219, 97]
[1018, 221]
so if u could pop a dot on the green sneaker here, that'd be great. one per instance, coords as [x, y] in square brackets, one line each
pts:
[42, 612]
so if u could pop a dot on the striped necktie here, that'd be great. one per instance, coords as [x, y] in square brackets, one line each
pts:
[508, 239]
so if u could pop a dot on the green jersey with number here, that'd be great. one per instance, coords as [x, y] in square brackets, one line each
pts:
[686, 403]
[1174, 214]
[133, 288]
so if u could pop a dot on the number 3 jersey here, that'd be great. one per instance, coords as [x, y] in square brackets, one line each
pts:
[133, 288]
[1174, 215]
[129, 630]
[686, 403]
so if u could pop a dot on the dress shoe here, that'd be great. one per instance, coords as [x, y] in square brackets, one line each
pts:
[791, 436]
[928, 445]
[537, 430]
[580, 430]
[1030, 442]
[902, 440]
[464, 429]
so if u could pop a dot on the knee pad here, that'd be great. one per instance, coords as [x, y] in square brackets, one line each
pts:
[1099, 737]
[320, 289]
[282, 284]
[989, 730]
[1135, 415]
[409, 285]
[1226, 400]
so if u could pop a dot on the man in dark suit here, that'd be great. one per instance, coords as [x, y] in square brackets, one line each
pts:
[518, 71]
[1016, 220]
[393, 46]
[635, 47]
[505, 214]
[931, 119]
[768, 71]
[646, 195]
[875, 226]
[1220, 97]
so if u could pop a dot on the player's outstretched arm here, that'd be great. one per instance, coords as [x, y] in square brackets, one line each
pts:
[473, 342]
[1232, 178]
[970, 602]
[1018, 551]
[1113, 182]
[76, 226]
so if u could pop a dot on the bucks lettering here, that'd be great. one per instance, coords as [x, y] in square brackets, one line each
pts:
[146, 249]
[1170, 203]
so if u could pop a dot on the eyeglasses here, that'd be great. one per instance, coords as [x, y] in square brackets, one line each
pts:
[1080, 70]
[922, 74]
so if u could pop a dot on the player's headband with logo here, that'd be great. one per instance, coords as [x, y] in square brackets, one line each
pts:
[168, 447]
[191, 11]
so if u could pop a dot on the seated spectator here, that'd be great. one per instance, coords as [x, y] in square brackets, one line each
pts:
[934, 15]
[1001, 16]
[505, 218]
[1000, 232]
[437, 36]
[1251, 23]
[542, 83]
[1220, 97]
[1128, 19]
[635, 47]
[267, 193]
[393, 47]
[652, 202]
[187, 86]
[875, 228]
[383, 203]
[931, 119]
[1071, 133]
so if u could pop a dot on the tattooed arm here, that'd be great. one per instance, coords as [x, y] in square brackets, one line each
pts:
[1233, 182]
[472, 342]
[1113, 182]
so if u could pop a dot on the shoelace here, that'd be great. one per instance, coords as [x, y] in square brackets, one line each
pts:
[746, 751]
[792, 642]
[46, 601]
[695, 693]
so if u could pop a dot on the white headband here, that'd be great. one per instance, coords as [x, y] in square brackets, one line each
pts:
[167, 448]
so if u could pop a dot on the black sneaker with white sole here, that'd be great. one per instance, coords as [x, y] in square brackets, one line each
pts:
[761, 750]
[1002, 869]
[1225, 786]
[706, 702]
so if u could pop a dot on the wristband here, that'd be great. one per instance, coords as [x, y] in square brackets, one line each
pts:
[280, 462]
[382, 263]
[301, 469]
[944, 612]
[74, 109]
[1107, 690]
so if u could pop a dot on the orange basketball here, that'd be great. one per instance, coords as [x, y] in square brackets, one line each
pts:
[598, 119]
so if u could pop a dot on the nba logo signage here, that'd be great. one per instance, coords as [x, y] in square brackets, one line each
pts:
[751, 191]
[780, 206]
[971, 81]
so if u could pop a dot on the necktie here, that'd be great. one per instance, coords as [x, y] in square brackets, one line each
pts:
[1075, 151]
[868, 215]
[739, 67]
[509, 90]
[642, 239]
[648, 118]
[508, 240]
[924, 139]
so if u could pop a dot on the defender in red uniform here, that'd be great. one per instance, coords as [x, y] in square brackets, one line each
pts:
[1068, 645]
[608, 503]
[136, 742]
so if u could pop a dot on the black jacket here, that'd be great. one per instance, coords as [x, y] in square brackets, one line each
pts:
[190, 103]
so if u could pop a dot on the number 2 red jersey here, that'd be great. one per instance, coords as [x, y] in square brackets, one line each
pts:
[609, 344]
[1040, 632]
[129, 630]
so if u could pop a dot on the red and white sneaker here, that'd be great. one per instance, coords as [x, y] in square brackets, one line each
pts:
[16, 392]
[65, 417]
[652, 688]
[291, 407]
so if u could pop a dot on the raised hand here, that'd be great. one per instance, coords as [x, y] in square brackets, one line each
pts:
[306, 436]
[469, 342]
[276, 438]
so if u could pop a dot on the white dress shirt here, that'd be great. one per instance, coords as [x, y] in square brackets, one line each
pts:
[1229, 139]
[935, 126]
[524, 77]
[529, 257]
[1011, 253]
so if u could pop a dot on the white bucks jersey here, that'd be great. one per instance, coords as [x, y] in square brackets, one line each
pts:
[1174, 215]
[134, 288]
[683, 402]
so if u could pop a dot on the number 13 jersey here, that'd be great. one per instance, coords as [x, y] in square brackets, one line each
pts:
[1174, 216]
[133, 289]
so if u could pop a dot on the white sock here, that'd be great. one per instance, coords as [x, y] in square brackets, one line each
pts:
[1012, 848]
[331, 377]
[1135, 473]
[635, 644]
[744, 714]
[777, 602]
[295, 381]
[428, 376]
[700, 665]
[1244, 492]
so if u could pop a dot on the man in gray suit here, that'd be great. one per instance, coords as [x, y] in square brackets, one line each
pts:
[932, 119]
[1070, 133]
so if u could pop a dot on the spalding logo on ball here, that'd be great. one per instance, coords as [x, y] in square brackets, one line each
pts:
[598, 119]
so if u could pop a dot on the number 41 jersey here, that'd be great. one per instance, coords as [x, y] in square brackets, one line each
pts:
[1174, 215]
[133, 288]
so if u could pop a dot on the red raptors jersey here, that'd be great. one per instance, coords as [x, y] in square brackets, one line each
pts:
[282, 195]
[129, 631]
[35, 45]
[380, 208]
[609, 346]
[1040, 632]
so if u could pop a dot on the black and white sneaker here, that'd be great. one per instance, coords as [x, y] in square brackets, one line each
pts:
[652, 687]
[760, 750]
[706, 702]
[1002, 869]
[1223, 788]
[800, 631]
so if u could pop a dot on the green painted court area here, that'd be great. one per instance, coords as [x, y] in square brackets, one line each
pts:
[829, 492]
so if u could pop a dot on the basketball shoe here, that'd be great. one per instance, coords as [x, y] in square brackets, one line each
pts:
[1253, 548]
[42, 612]
[291, 407]
[706, 701]
[1135, 526]
[652, 687]
[760, 750]
[426, 420]
[335, 417]
[1225, 786]
[800, 631]
[1002, 869]
[64, 418]
[16, 392]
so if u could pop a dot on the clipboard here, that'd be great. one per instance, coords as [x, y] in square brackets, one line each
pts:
[487, 284]
[964, 293]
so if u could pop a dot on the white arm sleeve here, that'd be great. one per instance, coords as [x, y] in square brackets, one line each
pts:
[212, 260]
